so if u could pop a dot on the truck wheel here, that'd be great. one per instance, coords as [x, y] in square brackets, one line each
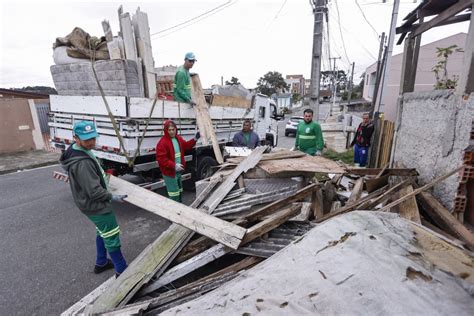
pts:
[204, 167]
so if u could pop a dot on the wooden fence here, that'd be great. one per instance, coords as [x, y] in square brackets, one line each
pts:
[382, 143]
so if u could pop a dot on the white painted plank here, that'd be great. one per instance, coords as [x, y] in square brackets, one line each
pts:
[219, 230]
[92, 105]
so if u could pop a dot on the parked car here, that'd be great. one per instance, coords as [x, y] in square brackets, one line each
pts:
[292, 125]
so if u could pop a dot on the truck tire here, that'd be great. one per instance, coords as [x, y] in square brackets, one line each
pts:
[204, 167]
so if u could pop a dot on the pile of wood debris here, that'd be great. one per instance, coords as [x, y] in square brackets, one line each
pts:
[260, 204]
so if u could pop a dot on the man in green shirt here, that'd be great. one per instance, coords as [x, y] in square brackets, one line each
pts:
[309, 137]
[182, 80]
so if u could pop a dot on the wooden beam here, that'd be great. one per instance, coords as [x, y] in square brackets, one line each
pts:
[466, 79]
[423, 188]
[409, 208]
[443, 16]
[356, 191]
[451, 20]
[317, 203]
[203, 118]
[207, 225]
[442, 217]
[382, 197]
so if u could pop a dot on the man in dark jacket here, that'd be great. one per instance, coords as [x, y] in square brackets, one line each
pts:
[246, 137]
[88, 183]
[170, 157]
[361, 141]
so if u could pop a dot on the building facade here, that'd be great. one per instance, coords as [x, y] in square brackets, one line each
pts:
[425, 78]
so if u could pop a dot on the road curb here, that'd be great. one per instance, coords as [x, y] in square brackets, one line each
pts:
[29, 167]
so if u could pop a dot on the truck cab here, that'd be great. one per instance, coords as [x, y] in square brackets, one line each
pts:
[265, 120]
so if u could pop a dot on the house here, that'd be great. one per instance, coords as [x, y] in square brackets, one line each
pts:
[425, 78]
[15, 94]
[296, 83]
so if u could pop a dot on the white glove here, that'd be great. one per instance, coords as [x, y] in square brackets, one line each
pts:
[293, 149]
[318, 153]
[178, 167]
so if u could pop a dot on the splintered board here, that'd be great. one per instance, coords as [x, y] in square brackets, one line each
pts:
[301, 164]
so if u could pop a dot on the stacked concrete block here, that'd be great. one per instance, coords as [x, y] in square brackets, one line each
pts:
[116, 77]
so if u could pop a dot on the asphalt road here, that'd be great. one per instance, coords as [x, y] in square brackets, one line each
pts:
[48, 247]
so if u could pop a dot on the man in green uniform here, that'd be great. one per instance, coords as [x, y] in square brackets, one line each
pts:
[89, 186]
[182, 80]
[309, 137]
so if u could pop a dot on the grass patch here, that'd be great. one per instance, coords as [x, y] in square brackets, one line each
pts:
[346, 157]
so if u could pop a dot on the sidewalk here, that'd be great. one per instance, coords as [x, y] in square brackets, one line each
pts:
[27, 160]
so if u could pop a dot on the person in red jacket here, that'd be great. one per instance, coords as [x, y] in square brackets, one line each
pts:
[170, 157]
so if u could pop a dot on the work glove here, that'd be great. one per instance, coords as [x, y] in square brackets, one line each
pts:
[197, 136]
[178, 167]
[318, 153]
[293, 149]
[118, 197]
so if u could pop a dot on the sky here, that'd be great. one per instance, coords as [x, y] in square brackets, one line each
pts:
[240, 38]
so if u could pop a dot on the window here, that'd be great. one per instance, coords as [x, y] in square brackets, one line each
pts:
[261, 112]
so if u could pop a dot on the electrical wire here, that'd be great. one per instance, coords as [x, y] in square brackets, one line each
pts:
[365, 18]
[281, 8]
[197, 18]
[340, 32]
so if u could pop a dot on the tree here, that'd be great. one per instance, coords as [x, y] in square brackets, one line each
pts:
[37, 89]
[272, 82]
[440, 69]
[296, 97]
[233, 81]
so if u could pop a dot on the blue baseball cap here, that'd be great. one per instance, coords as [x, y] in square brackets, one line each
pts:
[85, 130]
[190, 56]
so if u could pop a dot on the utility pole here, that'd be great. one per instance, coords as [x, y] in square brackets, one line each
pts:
[351, 83]
[391, 39]
[378, 73]
[333, 84]
[319, 8]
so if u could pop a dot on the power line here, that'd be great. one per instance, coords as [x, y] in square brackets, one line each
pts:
[281, 8]
[200, 17]
[365, 18]
[340, 32]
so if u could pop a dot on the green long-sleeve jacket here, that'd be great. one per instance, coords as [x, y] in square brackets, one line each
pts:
[309, 137]
[182, 85]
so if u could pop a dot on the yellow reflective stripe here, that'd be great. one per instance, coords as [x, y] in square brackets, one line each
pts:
[177, 155]
[307, 136]
[174, 193]
[110, 233]
[181, 190]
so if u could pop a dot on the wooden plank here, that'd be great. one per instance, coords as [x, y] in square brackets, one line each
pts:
[317, 203]
[207, 225]
[79, 306]
[220, 250]
[380, 199]
[203, 118]
[376, 183]
[218, 195]
[442, 217]
[143, 40]
[446, 14]
[423, 188]
[156, 255]
[304, 214]
[357, 190]
[302, 164]
[409, 208]
[400, 172]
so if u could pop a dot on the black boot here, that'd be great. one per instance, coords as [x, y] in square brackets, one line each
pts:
[107, 266]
